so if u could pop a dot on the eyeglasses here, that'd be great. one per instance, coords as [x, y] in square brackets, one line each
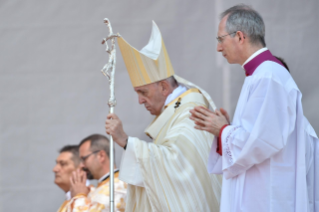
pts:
[86, 157]
[220, 38]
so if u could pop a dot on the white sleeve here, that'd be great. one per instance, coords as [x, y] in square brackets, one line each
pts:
[214, 165]
[265, 125]
[129, 170]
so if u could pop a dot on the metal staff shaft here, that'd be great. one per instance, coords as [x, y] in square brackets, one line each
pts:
[109, 71]
[112, 161]
[111, 170]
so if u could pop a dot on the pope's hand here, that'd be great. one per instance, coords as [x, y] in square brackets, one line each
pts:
[208, 120]
[114, 127]
[78, 183]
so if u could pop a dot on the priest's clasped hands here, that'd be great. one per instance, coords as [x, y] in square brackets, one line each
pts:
[209, 121]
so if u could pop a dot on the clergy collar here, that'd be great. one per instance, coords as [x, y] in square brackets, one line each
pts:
[106, 176]
[68, 195]
[176, 92]
[254, 55]
[258, 58]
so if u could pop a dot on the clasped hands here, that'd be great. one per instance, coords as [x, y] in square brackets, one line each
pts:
[209, 121]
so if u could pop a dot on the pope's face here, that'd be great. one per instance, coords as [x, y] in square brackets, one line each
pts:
[63, 170]
[152, 97]
[227, 45]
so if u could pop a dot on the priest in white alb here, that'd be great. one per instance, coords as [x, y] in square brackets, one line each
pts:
[168, 174]
[267, 153]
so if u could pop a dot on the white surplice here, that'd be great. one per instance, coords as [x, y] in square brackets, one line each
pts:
[263, 162]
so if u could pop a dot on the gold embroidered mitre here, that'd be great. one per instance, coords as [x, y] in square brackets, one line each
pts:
[149, 65]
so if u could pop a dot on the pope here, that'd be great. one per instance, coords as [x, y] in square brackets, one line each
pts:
[168, 174]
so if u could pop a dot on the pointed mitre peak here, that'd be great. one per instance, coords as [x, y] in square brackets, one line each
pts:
[149, 65]
[154, 46]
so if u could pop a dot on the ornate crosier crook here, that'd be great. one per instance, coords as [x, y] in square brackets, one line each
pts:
[109, 71]
[109, 68]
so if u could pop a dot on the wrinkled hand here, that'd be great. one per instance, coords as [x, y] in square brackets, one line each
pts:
[78, 183]
[208, 120]
[114, 127]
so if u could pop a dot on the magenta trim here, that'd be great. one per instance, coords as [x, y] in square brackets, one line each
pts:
[251, 66]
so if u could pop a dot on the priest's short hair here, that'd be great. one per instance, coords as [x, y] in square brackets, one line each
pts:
[74, 150]
[98, 142]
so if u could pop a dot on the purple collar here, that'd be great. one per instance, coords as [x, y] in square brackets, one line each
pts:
[251, 66]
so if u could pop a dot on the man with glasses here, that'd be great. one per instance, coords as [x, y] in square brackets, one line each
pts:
[261, 153]
[94, 154]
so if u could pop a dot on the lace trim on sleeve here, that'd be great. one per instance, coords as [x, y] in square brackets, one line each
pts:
[227, 150]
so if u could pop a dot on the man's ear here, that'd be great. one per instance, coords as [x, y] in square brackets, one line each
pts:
[164, 87]
[102, 155]
[241, 36]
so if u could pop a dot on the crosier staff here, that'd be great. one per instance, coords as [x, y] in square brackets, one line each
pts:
[109, 71]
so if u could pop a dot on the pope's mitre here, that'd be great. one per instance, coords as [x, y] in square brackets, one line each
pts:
[151, 64]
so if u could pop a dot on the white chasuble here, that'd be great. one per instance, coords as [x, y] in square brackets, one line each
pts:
[263, 151]
[170, 173]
